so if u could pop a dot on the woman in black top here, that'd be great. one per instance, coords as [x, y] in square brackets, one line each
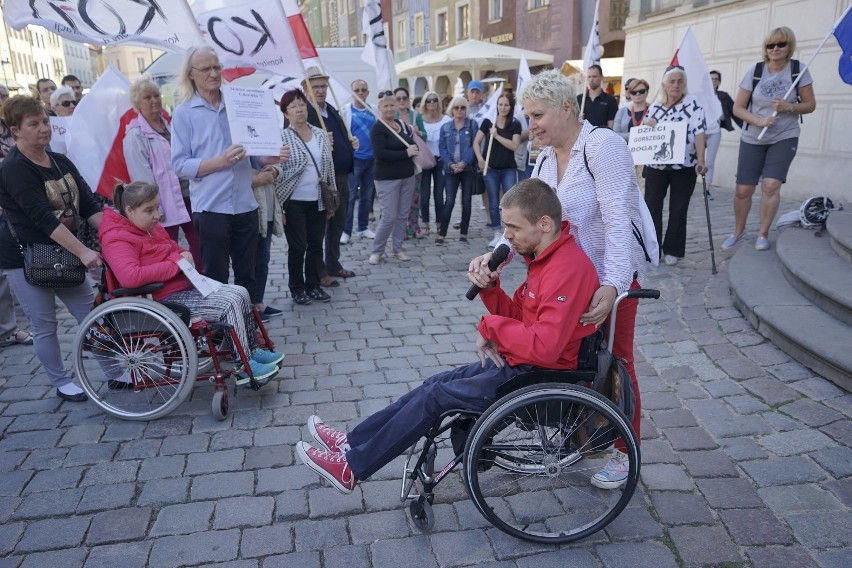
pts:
[502, 171]
[393, 150]
[44, 199]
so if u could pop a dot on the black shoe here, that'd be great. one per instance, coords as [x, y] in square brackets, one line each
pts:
[264, 318]
[79, 397]
[302, 298]
[115, 385]
[319, 295]
[272, 312]
[439, 241]
[463, 239]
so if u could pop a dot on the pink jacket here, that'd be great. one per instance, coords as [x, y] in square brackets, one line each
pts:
[138, 258]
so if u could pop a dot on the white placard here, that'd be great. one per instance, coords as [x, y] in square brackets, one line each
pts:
[253, 120]
[59, 127]
[664, 143]
[203, 284]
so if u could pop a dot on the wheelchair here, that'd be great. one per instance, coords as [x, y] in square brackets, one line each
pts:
[164, 350]
[527, 459]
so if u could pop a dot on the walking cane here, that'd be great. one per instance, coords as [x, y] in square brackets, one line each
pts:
[709, 228]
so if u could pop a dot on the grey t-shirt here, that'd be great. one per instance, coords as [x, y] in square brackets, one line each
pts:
[770, 87]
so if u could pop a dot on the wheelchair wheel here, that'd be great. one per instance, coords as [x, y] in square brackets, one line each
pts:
[143, 338]
[422, 514]
[219, 405]
[530, 456]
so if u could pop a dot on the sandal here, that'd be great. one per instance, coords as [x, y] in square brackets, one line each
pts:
[15, 338]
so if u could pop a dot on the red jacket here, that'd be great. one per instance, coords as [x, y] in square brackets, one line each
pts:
[137, 258]
[540, 325]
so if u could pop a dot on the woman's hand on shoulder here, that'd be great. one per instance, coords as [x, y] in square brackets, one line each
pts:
[600, 306]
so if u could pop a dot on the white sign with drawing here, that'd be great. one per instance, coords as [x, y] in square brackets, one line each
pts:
[203, 284]
[58, 127]
[664, 143]
[253, 120]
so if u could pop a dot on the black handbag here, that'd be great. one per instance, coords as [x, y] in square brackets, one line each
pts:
[52, 265]
[330, 197]
[478, 183]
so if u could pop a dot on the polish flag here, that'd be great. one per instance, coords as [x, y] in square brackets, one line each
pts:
[307, 49]
[96, 132]
[699, 85]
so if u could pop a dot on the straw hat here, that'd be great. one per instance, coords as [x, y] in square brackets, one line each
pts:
[313, 73]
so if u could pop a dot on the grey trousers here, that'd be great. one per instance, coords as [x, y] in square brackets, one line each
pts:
[39, 305]
[395, 200]
[8, 322]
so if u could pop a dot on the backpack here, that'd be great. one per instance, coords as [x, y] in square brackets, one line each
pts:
[795, 70]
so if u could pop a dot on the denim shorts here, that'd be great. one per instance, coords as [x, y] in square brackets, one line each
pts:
[765, 160]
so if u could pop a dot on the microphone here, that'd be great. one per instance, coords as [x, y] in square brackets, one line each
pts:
[499, 256]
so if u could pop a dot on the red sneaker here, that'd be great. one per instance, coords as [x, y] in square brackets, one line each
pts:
[329, 438]
[331, 465]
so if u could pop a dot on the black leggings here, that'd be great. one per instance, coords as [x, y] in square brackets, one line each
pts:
[682, 183]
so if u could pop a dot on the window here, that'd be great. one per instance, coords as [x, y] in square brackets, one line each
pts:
[353, 41]
[442, 27]
[534, 4]
[400, 34]
[419, 30]
[463, 21]
[495, 10]
[140, 63]
[323, 14]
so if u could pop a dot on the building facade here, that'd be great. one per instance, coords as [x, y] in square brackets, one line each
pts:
[78, 62]
[131, 60]
[730, 33]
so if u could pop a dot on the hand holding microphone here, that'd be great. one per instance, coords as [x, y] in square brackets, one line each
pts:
[498, 257]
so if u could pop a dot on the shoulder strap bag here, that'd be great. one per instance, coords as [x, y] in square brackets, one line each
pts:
[330, 197]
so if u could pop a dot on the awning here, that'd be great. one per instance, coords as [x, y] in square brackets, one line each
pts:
[470, 55]
[613, 67]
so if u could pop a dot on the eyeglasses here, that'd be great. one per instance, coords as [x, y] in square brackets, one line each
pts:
[319, 87]
[208, 69]
[639, 92]
[780, 44]
[431, 100]
[383, 94]
[67, 104]
[460, 107]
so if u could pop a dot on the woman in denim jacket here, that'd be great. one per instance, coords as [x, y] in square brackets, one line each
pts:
[456, 146]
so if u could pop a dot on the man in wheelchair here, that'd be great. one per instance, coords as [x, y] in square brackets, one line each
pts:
[537, 328]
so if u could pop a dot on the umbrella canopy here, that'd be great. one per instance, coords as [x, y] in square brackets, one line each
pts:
[470, 55]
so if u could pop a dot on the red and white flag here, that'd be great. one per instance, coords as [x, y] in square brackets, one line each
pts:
[95, 135]
[698, 81]
[164, 25]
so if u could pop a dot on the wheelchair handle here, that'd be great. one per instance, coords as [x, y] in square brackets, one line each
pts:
[638, 293]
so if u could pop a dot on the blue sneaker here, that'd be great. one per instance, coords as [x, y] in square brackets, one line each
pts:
[272, 312]
[266, 357]
[614, 475]
[260, 371]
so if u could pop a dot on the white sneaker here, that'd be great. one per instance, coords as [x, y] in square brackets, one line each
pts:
[670, 260]
[614, 475]
[493, 242]
[400, 256]
[762, 243]
[375, 258]
[367, 234]
[344, 238]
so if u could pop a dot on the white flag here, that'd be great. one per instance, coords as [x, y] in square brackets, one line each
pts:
[699, 84]
[253, 34]
[524, 76]
[376, 51]
[165, 25]
[489, 109]
[592, 54]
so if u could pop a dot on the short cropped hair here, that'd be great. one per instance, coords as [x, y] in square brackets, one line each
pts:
[553, 88]
[595, 66]
[290, 96]
[458, 100]
[16, 109]
[140, 86]
[58, 93]
[535, 199]
[67, 78]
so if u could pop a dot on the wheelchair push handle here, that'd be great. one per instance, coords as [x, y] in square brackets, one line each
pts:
[638, 293]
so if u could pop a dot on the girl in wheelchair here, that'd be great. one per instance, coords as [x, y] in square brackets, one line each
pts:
[139, 251]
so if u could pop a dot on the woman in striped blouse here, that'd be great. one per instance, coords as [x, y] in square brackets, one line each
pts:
[593, 175]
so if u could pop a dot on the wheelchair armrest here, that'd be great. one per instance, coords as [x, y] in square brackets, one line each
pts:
[540, 376]
[141, 291]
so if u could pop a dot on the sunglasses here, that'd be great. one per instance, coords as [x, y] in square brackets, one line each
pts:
[639, 92]
[67, 104]
[383, 94]
[672, 67]
[459, 108]
[780, 44]
[431, 100]
[402, 98]
[208, 69]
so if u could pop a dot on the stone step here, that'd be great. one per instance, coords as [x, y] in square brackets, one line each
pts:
[788, 319]
[814, 269]
[839, 227]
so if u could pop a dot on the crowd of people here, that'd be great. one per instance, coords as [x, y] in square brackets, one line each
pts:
[338, 169]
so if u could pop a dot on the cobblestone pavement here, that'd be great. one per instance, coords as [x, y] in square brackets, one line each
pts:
[746, 458]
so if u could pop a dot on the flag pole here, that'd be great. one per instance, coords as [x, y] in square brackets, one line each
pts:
[805, 68]
[369, 108]
[334, 96]
[488, 152]
[583, 102]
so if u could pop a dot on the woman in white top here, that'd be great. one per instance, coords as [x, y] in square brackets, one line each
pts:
[433, 118]
[770, 157]
[601, 202]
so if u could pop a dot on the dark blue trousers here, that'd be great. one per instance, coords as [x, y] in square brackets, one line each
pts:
[389, 432]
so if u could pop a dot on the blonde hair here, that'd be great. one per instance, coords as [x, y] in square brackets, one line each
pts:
[782, 34]
[141, 86]
[553, 89]
[426, 95]
[186, 88]
[457, 100]
[662, 96]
